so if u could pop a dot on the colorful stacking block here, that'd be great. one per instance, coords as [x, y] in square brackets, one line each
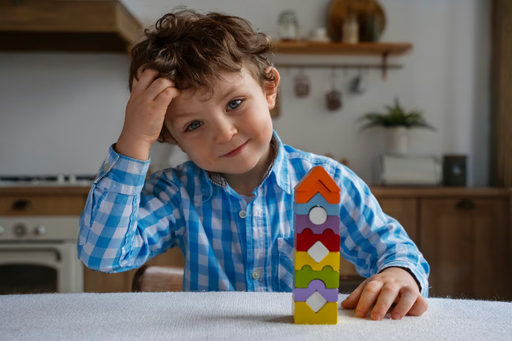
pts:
[316, 253]
[330, 277]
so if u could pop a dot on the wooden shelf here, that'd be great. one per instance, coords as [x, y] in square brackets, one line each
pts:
[383, 50]
[312, 47]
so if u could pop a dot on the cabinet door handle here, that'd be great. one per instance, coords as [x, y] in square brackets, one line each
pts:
[22, 205]
[465, 205]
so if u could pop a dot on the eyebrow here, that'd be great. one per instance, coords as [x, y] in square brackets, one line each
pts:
[227, 93]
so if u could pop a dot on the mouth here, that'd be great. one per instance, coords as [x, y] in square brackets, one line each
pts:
[236, 151]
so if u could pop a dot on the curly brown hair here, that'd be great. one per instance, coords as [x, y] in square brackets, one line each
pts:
[192, 49]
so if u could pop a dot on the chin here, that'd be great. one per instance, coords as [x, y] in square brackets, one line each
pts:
[242, 167]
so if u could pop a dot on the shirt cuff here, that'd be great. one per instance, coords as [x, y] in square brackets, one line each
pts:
[418, 276]
[121, 174]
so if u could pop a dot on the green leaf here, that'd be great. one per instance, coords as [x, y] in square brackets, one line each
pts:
[395, 116]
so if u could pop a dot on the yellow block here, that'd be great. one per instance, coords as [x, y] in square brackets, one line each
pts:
[303, 314]
[303, 258]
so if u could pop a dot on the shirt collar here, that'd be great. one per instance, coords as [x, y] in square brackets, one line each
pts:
[279, 167]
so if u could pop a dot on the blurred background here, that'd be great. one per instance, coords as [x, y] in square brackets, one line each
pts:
[61, 110]
[412, 95]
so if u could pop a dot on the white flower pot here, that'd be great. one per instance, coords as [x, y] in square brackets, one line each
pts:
[397, 140]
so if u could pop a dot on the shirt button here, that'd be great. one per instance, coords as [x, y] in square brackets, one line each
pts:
[106, 167]
[242, 214]
[256, 274]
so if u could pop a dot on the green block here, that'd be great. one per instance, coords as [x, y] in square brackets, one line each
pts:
[330, 277]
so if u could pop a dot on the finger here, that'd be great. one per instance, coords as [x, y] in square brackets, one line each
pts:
[136, 77]
[138, 73]
[146, 79]
[166, 97]
[368, 297]
[158, 86]
[387, 296]
[419, 307]
[352, 299]
[134, 83]
[407, 299]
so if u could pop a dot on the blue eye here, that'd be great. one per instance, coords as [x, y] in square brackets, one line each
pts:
[230, 107]
[194, 125]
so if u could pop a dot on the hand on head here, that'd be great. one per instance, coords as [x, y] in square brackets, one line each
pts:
[145, 113]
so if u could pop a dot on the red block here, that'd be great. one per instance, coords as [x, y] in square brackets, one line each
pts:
[307, 238]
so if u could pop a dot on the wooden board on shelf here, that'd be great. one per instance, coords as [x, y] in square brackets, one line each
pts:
[312, 47]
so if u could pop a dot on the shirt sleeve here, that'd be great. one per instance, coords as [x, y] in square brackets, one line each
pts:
[127, 219]
[371, 239]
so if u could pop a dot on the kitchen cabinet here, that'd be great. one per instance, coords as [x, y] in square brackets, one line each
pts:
[71, 25]
[464, 234]
[467, 243]
[41, 205]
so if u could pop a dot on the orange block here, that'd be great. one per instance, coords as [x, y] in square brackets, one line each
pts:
[306, 196]
[317, 180]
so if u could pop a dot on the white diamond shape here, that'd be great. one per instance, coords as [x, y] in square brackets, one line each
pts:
[316, 301]
[318, 251]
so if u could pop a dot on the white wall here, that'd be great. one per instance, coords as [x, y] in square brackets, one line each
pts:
[60, 112]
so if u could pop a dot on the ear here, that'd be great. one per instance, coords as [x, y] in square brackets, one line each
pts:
[271, 88]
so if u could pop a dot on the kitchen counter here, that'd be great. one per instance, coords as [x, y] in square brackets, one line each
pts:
[232, 316]
[45, 190]
[440, 192]
[379, 192]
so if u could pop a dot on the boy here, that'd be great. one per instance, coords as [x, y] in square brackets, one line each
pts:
[203, 82]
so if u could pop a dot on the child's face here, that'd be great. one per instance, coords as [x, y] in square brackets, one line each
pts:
[231, 132]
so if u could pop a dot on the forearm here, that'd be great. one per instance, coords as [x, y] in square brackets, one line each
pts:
[113, 236]
[132, 148]
[373, 240]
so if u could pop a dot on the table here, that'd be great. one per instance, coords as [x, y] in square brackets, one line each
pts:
[232, 316]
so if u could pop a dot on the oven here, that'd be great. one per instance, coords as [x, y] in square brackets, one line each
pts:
[39, 227]
[39, 255]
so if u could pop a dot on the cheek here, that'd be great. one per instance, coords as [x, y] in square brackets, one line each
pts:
[198, 152]
[259, 119]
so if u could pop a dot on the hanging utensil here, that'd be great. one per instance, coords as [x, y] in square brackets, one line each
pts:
[359, 84]
[333, 97]
[302, 84]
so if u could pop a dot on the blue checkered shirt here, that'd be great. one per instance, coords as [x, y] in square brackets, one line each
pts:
[229, 244]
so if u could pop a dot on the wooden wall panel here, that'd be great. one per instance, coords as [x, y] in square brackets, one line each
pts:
[501, 106]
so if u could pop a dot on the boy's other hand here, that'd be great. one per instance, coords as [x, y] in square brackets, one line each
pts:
[145, 113]
[391, 286]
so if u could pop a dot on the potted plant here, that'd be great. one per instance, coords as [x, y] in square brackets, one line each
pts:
[397, 121]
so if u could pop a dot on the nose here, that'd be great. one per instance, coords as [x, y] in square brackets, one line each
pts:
[225, 130]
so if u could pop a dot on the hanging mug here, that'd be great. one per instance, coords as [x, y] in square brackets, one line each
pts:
[333, 97]
[302, 86]
[334, 100]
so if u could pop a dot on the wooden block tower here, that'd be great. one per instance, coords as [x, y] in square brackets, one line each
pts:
[316, 253]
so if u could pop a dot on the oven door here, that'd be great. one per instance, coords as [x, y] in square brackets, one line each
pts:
[30, 268]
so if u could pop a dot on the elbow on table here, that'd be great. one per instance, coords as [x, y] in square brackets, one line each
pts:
[100, 264]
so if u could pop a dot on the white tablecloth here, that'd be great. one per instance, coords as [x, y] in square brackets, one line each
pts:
[232, 316]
